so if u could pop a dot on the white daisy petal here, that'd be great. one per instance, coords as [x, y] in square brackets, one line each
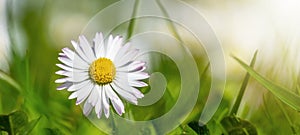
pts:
[64, 86]
[83, 93]
[64, 67]
[66, 61]
[134, 75]
[69, 53]
[138, 76]
[86, 48]
[125, 86]
[70, 69]
[118, 46]
[62, 54]
[79, 77]
[109, 92]
[99, 46]
[80, 52]
[76, 78]
[126, 95]
[118, 106]
[123, 50]
[79, 62]
[77, 86]
[137, 93]
[115, 100]
[115, 46]
[138, 84]
[64, 73]
[129, 56]
[98, 106]
[62, 80]
[105, 103]
[109, 45]
[93, 96]
[99, 114]
[87, 108]
[73, 95]
[138, 69]
[135, 66]
[67, 68]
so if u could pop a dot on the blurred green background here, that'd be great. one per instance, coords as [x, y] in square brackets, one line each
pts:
[33, 32]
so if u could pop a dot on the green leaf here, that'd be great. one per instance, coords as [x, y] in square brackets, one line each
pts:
[9, 80]
[50, 131]
[200, 130]
[236, 126]
[28, 127]
[13, 122]
[17, 123]
[284, 94]
[18, 120]
[4, 124]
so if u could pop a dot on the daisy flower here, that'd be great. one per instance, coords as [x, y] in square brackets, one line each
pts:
[101, 73]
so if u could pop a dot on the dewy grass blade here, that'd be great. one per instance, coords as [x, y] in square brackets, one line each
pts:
[9, 80]
[284, 94]
[243, 88]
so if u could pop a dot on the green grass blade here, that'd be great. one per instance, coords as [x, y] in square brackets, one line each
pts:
[243, 88]
[10, 80]
[298, 84]
[133, 19]
[205, 70]
[287, 117]
[171, 26]
[266, 110]
[284, 94]
[222, 115]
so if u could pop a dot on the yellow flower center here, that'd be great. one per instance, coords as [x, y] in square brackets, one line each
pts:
[102, 71]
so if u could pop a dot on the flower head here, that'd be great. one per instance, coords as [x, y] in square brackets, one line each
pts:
[101, 73]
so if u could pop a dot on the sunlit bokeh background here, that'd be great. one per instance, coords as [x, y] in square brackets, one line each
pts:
[37, 30]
